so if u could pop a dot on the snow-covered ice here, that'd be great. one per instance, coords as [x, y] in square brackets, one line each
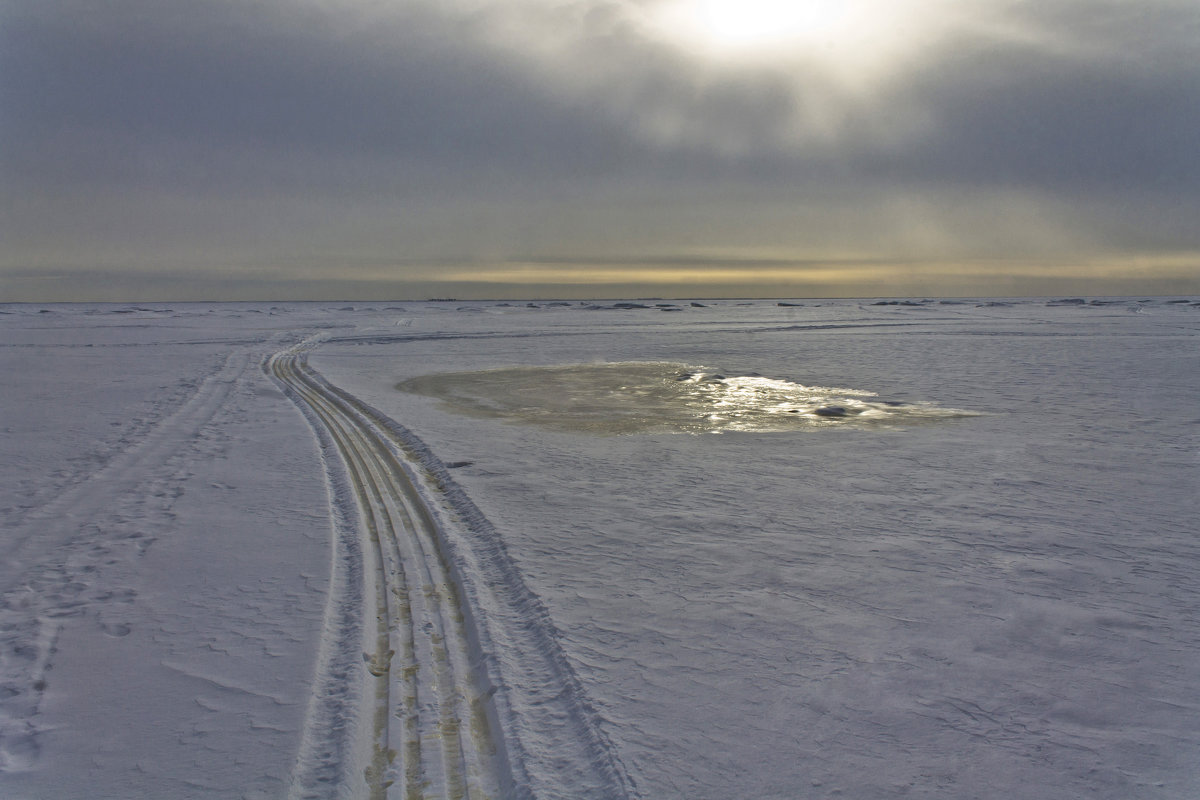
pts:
[563, 550]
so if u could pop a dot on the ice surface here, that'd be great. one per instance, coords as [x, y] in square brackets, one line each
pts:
[998, 605]
[633, 397]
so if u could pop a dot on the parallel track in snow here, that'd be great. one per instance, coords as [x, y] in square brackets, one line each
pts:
[429, 728]
[468, 693]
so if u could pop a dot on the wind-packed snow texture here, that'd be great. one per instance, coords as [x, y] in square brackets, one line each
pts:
[649, 550]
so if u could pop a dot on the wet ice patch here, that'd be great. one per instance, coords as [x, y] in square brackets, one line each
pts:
[631, 397]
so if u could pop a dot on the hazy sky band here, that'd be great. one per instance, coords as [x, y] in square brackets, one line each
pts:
[197, 149]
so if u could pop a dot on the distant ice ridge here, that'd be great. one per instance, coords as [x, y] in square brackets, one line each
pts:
[631, 397]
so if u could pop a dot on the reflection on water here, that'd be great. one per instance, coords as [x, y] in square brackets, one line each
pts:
[631, 397]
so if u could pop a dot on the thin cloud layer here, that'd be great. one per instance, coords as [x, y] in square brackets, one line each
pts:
[376, 143]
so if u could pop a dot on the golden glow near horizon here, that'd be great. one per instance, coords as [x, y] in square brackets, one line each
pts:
[875, 275]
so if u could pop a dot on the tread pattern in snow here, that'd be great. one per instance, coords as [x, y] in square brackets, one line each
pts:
[441, 713]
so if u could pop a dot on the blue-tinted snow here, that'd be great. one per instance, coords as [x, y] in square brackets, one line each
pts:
[1001, 605]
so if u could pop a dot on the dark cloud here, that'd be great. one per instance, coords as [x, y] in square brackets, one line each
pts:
[137, 84]
[135, 129]
[235, 77]
[1012, 115]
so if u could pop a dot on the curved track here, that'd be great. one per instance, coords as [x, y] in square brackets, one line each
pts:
[430, 734]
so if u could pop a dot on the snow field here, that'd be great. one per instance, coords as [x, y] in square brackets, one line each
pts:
[971, 608]
[238, 562]
[138, 659]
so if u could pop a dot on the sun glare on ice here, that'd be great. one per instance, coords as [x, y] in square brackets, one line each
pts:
[633, 397]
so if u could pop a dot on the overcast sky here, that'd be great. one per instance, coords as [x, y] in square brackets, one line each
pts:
[276, 149]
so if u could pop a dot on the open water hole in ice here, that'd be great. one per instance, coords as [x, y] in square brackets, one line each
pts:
[632, 397]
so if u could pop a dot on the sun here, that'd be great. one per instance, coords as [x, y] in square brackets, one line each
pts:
[855, 44]
[757, 23]
[763, 27]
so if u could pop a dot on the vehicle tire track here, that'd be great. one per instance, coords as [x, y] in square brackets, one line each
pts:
[469, 693]
[422, 689]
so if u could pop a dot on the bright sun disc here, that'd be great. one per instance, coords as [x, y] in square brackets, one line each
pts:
[756, 25]
[759, 22]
